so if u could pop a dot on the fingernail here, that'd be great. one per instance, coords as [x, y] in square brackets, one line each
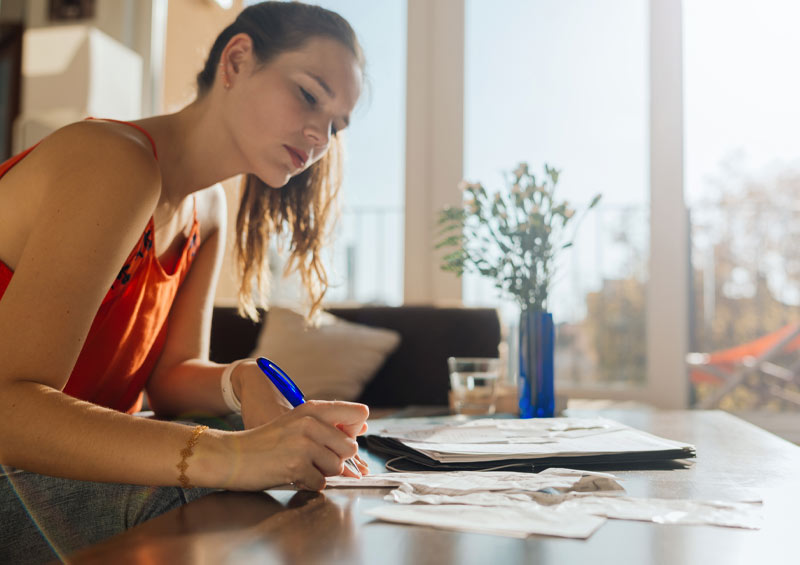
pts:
[353, 467]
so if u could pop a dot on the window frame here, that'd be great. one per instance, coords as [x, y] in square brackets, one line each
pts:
[434, 165]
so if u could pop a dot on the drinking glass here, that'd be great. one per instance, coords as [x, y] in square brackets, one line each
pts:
[473, 384]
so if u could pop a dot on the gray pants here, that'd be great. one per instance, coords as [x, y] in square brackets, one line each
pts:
[44, 518]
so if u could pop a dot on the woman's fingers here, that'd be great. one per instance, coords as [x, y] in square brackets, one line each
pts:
[360, 464]
[301, 447]
[328, 463]
[309, 463]
[337, 441]
[361, 432]
[350, 417]
[363, 466]
[348, 472]
[312, 480]
[325, 446]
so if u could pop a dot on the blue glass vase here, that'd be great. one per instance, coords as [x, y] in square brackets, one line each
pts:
[536, 348]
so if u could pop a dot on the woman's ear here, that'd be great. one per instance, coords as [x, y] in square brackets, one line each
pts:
[236, 57]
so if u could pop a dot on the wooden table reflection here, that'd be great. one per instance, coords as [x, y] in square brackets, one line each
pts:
[735, 461]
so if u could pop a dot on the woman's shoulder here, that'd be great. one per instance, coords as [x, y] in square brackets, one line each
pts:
[74, 174]
[99, 143]
[95, 160]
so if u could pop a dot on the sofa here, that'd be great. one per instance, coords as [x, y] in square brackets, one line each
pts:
[415, 373]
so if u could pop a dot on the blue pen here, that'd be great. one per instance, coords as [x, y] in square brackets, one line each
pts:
[291, 392]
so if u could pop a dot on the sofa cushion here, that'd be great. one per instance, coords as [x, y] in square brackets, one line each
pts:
[331, 361]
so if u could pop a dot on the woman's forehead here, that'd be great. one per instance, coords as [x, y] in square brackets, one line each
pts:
[327, 61]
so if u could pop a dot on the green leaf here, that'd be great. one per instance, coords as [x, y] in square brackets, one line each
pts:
[512, 235]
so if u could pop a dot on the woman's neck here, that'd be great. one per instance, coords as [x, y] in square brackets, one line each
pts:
[194, 151]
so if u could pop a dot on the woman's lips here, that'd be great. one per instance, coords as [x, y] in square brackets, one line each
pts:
[299, 157]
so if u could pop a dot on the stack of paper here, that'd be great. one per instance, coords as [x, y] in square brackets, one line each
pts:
[558, 502]
[524, 444]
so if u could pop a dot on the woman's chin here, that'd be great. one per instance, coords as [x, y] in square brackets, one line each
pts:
[275, 180]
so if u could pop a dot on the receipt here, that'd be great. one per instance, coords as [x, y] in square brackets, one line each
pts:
[519, 521]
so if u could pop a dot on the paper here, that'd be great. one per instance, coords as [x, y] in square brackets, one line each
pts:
[557, 502]
[667, 511]
[460, 482]
[463, 434]
[489, 430]
[477, 510]
[490, 439]
[616, 441]
[661, 511]
[520, 521]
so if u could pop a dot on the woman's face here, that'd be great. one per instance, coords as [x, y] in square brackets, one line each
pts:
[282, 115]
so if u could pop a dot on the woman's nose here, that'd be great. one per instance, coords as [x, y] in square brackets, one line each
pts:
[319, 133]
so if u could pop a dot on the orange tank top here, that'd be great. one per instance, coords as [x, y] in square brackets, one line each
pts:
[129, 330]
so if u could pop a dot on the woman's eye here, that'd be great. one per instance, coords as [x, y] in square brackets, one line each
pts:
[308, 96]
[334, 131]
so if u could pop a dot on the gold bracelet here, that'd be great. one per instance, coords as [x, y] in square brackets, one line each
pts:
[187, 452]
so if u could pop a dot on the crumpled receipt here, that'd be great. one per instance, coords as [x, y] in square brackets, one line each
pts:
[515, 521]
[556, 502]
[670, 511]
[658, 510]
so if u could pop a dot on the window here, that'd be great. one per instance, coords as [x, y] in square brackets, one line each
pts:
[743, 179]
[591, 88]
[567, 84]
[366, 263]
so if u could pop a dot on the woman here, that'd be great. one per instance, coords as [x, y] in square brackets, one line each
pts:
[110, 248]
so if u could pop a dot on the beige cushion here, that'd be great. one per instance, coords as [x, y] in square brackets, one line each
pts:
[333, 361]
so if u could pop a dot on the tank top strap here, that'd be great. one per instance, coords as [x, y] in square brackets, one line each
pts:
[135, 126]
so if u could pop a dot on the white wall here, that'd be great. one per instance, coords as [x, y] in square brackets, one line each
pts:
[137, 24]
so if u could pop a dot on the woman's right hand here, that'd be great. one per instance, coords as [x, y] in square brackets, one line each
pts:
[301, 447]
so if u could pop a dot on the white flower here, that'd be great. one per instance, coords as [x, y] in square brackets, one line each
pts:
[522, 169]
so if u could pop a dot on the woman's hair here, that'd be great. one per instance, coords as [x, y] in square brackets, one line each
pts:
[305, 206]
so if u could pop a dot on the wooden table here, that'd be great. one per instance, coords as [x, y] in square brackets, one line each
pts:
[735, 461]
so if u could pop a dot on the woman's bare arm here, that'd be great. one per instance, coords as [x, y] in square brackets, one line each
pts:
[93, 214]
[184, 379]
